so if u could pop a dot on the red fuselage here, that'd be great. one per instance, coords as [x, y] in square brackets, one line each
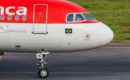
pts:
[55, 11]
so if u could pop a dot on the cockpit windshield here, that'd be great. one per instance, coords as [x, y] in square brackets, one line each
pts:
[88, 16]
[79, 17]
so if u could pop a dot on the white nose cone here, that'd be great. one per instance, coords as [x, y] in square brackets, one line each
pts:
[106, 35]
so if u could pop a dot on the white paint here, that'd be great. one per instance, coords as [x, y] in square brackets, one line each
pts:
[20, 11]
[1, 10]
[56, 39]
[8, 11]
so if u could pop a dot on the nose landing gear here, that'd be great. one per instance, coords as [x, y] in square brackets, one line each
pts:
[43, 71]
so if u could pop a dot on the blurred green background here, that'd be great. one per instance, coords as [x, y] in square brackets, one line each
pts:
[114, 13]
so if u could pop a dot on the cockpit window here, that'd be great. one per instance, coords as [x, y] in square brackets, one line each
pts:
[70, 18]
[79, 18]
[88, 16]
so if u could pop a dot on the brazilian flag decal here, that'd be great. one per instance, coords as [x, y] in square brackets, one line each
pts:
[68, 31]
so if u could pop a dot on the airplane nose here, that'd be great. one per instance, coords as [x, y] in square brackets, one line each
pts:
[106, 35]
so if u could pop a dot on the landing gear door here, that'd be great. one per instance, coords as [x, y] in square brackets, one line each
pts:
[40, 18]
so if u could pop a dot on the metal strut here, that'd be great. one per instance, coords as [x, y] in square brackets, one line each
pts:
[41, 57]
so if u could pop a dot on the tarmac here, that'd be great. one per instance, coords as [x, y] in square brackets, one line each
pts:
[111, 62]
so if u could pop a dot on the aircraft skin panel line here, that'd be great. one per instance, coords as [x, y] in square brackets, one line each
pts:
[44, 26]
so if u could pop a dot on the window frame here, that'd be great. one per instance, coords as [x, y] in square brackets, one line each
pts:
[81, 15]
[87, 13]
[9, 17]
[24, 18]
[75, 17]
[2, 17]
[67, 18]
[17, 18]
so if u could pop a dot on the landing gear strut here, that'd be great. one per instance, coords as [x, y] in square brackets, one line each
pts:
[43, 71]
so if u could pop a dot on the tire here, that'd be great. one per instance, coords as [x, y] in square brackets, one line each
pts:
[43, 73]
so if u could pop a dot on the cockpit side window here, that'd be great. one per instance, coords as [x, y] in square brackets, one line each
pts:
[79, 18]
[70, 18]
[88, 16]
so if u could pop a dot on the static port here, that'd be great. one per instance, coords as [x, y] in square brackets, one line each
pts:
[87, 36]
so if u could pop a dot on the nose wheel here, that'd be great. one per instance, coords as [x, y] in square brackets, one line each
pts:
[43, 71]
